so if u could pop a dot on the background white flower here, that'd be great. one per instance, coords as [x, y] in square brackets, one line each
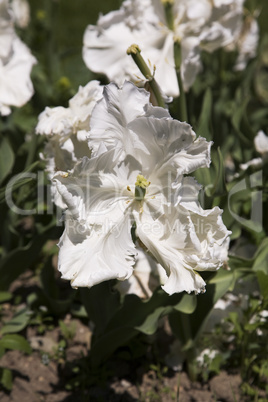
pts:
[261, 146]
[197, 25]
[16, 62]
[21, 10]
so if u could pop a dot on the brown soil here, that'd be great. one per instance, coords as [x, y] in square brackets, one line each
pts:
[43, 376]
[34, 382]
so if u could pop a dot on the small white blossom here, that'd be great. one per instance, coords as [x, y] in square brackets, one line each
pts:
[206, 357]
[135, 176]
[261, 143]
[261, 146]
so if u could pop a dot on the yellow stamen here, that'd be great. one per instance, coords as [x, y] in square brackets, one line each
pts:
[142, 182]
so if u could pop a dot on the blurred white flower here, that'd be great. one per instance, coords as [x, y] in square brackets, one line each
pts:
[196, 24]
[16, 62]
[261, 146]
[261, 143]
[21, 10]
[6, 29]
[247, 43]
[67, 129]
[136, 176]
[15, 83]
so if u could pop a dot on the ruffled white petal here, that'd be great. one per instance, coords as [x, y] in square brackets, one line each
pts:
[97, 243]
[166, 243]
[147, 276]
[111, 116]
[133, 138]
[184, 242]
[125, 119]
[67, 131]
[169, 146]
[65, 121]
[89, 256]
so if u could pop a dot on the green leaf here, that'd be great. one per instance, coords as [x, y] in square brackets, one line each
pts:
[236, 262]
[15, 186]
[188, 327]
[15, 342]
[219, 187]
[78, 311]
[51, 290]
[19, 180]
[187, 303]
[21, 258]
[6, 379]
[124, 325]
[237, 119]
[17, 323]
[261, 257]
[204, 122]
[263, 284]
[101, 303]
[5, 296]
[6, 158]
[2, 351]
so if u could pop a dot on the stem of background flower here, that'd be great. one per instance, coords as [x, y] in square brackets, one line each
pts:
[168, 7]
[189, 351]
[181, 326]
[135, 52]
[52, 10]
[182, 97]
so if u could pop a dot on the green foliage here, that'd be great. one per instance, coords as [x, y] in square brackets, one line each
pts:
[241, 343]
[68, 331]
[18, 322]
[6, 379]
[115, 326]
[6, 158]
[15, 342]
[5, 296]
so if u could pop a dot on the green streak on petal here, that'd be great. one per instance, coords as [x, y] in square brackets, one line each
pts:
[140, 187]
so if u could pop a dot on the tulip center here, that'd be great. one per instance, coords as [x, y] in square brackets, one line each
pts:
[140, 187]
